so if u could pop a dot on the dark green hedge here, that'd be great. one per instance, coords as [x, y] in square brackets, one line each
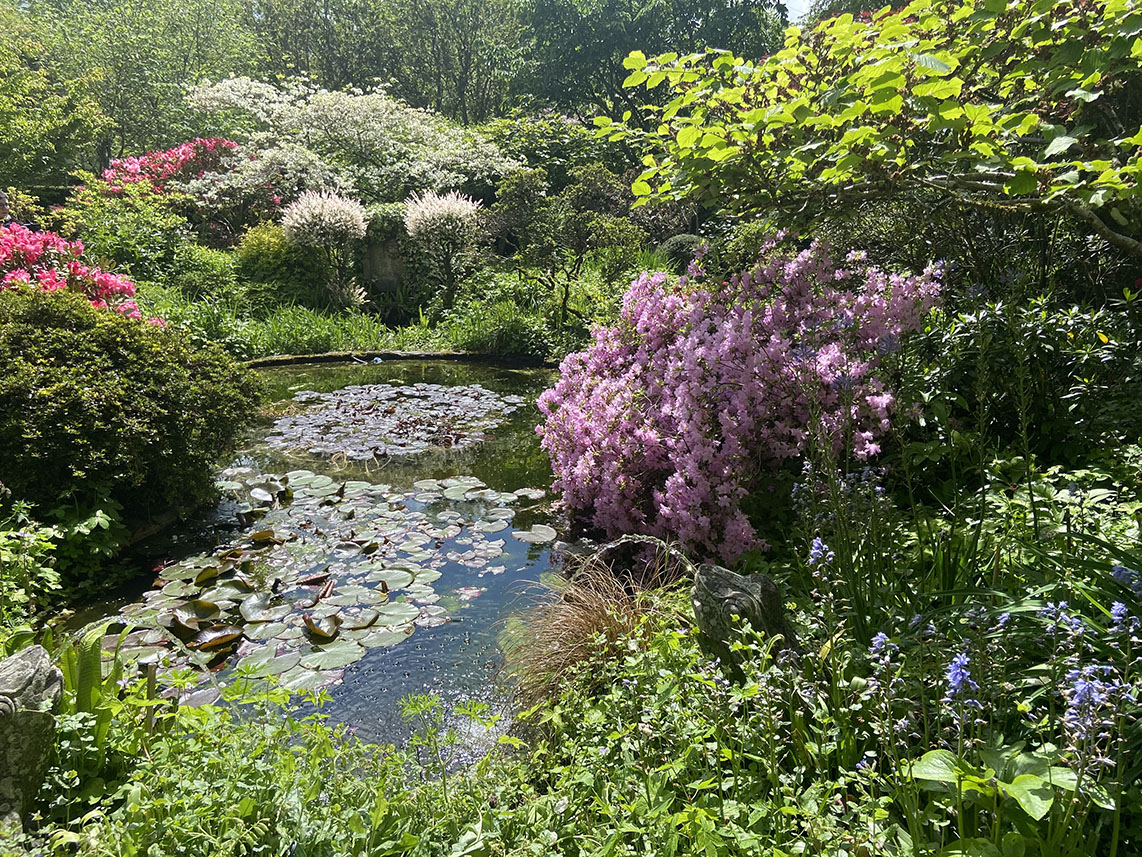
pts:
[96, 406]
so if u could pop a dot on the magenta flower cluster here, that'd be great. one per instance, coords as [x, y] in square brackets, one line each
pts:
[45, 261]
[677, 412]
[183, 162]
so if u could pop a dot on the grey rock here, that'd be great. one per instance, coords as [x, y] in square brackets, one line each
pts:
[30, 689]
[719, 595]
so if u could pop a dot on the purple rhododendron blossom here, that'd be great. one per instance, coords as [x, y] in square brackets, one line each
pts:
[679, 410]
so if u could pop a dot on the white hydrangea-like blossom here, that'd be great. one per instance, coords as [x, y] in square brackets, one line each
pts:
[323, 220]
[449, 220]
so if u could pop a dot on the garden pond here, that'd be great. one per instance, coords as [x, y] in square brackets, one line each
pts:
[374, 538]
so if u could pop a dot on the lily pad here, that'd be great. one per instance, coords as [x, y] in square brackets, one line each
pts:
[397, 613]
[216, 637]
[300, 679]
[333, 656]
[324, 628]
[538, 534]
[257, 608]
[265, 630]
[376, 638]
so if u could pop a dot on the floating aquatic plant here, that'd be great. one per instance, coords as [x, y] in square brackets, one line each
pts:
[379, 420]
[322, 571]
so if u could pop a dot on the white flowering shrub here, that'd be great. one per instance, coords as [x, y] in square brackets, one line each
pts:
[381, 146]
[331, 223]
[448, 219]
[253, 189]
[444, 225]
[322, 219]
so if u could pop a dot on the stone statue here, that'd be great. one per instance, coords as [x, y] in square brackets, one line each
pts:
[30, 690]
[719, 595]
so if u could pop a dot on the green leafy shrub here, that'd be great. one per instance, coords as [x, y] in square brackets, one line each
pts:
[94, 406]
[135, 231]
[199, 271]
[27, 573]
[1047, 379]
[275, 272]
[679, 250]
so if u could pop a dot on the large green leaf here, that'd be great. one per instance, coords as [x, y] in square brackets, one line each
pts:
[939, 766]
[1033, 794]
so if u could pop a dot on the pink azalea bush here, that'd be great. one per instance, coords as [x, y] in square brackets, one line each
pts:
[50, 263]
[677, 412]
[184, 162]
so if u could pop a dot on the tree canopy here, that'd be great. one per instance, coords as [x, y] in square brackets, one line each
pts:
[1021, 105]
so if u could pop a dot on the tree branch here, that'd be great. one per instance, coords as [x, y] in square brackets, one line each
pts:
[1123, 242]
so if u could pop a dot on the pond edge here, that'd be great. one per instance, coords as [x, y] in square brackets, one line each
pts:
[369, 356]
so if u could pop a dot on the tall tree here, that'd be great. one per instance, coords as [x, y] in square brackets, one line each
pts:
[49, 122]
[576, 50]
[145, 53]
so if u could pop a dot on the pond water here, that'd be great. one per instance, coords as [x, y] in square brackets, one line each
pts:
[374, 538]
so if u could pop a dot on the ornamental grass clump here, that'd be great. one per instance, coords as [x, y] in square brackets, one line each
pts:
[444, 225]
[331, 223]
[685, 406]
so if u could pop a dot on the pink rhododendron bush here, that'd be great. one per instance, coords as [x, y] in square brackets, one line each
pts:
[46, 261]
[182, 163]
[674, 414]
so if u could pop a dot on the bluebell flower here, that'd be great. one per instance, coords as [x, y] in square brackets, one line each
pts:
[961, 686]
[819, 552]
[1118, 613]
[1089, 690]
[1128, 577]
[1060, 621]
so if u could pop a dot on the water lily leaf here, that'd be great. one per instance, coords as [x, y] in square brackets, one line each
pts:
[265, 631]
[204, 696]
[377, 638]
[324, 628]
[397, 613]
[276, 664]
[490, 526]
[359, 619]
[261, 495]
[456, 492]
[134, 654]
[179, 587]
[228, 590]
[431, 616]
[333, 656]
[538, 534]
[216, 637]
[210, 573]
[393, 578]
[300, 680]
[257, 608]
[427, 575]
[193, 613]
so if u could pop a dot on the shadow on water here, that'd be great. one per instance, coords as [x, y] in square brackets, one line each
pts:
[461, 659]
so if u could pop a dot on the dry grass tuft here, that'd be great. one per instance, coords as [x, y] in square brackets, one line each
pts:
[579, 626]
